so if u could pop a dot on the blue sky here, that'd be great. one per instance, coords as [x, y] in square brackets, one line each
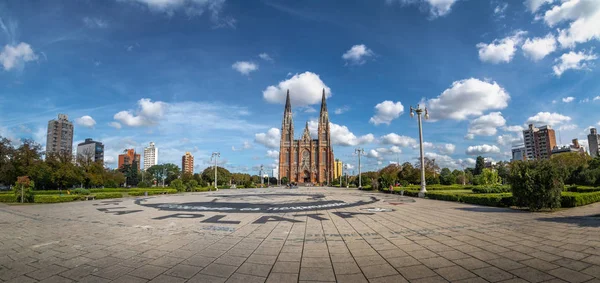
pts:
[210, 75]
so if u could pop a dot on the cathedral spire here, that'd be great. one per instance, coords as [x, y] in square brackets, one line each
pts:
[288, 105]
[323, 103]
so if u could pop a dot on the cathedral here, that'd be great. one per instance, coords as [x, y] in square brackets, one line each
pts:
[307, 160]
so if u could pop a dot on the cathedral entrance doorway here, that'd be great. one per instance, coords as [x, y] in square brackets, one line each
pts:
[306, 177]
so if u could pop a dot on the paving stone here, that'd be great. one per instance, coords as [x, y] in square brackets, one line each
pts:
[287, 267]
[470, 263]
[93, 279]
[183, 271]
[436, 262]
[205, 278]
[344, 268]
[21, 279]
[364, 261]
[79, 272]
[569, 275]
[492, 274]
[148, 271]
[113, 272]
[351, 278]
[255, 269]
[453, 273]
[593, 270]
[505, 264]
[290, 256]
[539, 264]
[56, 279]
[316, 274]
[374, 271]
[282, 278]
[571, 264]
[454, 254]
[46, 272]
[405, 261]
[416, 272]
[129, 279]
[219, 270]
[316, 262]
[532, 275]
[262, 259]
[389, 279]
[434, 279]
[245, 278]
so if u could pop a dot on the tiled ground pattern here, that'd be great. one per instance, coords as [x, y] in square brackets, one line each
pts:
[424, 241]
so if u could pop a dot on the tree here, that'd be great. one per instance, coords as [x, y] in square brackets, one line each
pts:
[223, 175]
[284, 180]
[23, 189]
[186, 177]
[489, 177]
[503, 170]
[167, 172]
[570, 164]
[190, 185]
[65, 174]
[8, 173]
[446, 177]
[536, 184]
[389, 175]
[479, 165]
[178, 185]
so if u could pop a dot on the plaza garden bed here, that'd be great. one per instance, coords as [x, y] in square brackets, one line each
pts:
[572, 196]
[55, 196]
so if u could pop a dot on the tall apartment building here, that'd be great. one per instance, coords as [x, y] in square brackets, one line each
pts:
[91, 149]
[539, 142]
[593, 142]
[574, 147]
[187, 163]
[150, 156]
[519, 153]
[60, 135]
[127, 158]
[545, 141]
[337, 169]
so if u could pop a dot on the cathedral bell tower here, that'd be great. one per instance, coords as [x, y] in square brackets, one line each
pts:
[287, 141]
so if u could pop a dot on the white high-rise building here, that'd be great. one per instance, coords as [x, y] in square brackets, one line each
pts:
[150, 156]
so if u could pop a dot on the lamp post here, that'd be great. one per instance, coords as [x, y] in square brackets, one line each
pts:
[215, 156]
[262, 178]
[420, 111]
[359, 152]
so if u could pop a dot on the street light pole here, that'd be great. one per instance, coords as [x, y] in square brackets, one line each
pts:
[359, 152]
[262, 179]
[216, 156]
[420, 111]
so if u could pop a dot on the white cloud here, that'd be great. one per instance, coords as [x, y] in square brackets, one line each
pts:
[442, 160]
[573, 60]
[147, 114]
[373, 154]
[515, 128]
[467, 162]
[341, 135]
[500, 51]
[538, 47]
[596, 98]
[269, 139]
[85, 121]
[245, 145]
[309, 109]
[273, 153]
[109, 159]
[191, 8]
[447, 148]
[265, 57]
[568, 99]
[16, 55]
[583, 17]
[500, 9]
[392, 150]
[547, 118]
[94, 22]
[244, 67]
[469, 97]
[482, 149]
[115, 125]
[534, 5]
[437, 8]
[469, 136]
[506, 140]
[305, 89]
[487, 125]
[357, 55]
[567, 127]
[342, 109]
[386, 111]
[396, 139]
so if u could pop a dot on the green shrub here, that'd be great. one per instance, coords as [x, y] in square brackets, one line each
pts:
[23, 188]
[190, 185]
[80, 191]
[581, 189]
[491, 190]
[201, 189]
[487, 199]
[108, 195]
[144, 184]
[8, 197]
[536, 184]
[55, 198]
[177, 185]
[572, 199]
[152, 192]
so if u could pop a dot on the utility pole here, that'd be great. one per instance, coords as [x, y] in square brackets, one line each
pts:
[215, 156]
[262, 179]
[359, 152]
[164, 176]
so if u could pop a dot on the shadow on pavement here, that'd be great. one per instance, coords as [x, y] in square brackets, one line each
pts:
[582, 221]
[490, 209]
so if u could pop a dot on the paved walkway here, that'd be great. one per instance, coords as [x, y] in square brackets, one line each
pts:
[280, 235]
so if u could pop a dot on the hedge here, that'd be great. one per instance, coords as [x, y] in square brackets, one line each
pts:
[152, 192]
[582, 189]
[572, 199]
[491, 190]
[55, 198]
[8, 197]
[108, 195]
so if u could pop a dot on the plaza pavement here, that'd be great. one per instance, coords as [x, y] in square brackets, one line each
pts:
[305, 234]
